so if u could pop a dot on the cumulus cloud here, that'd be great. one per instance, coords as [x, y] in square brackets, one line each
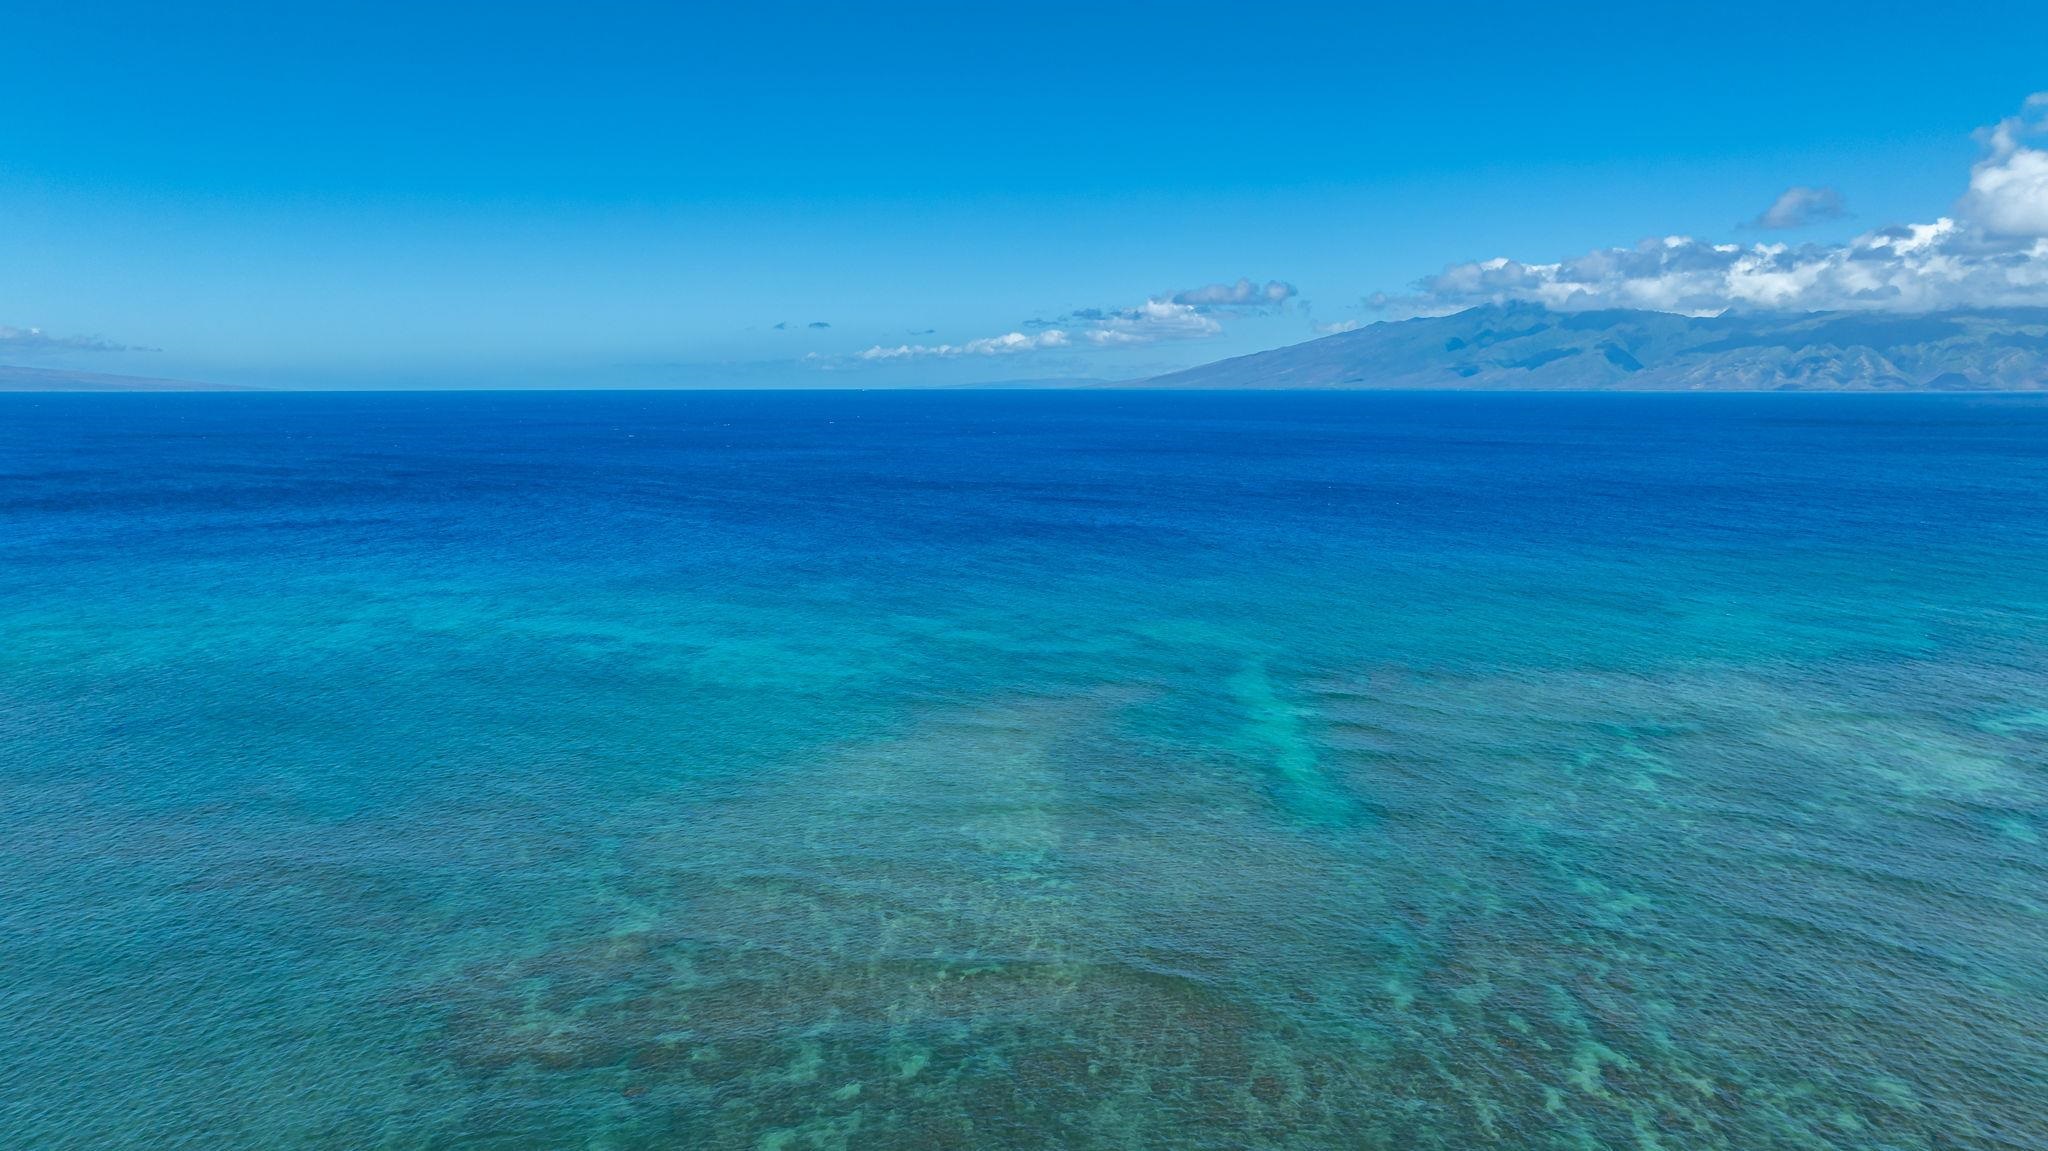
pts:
[1005, 344]
[1244, 294]
[14, 339]
[1992, 252]
[1799, 206]
[2009, 187]
[1147, 323]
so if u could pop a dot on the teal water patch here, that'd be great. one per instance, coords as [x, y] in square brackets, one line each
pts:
[1274, 733]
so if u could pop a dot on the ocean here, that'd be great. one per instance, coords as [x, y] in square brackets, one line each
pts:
[891, 770]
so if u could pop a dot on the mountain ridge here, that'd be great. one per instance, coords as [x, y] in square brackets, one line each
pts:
[1529, 347]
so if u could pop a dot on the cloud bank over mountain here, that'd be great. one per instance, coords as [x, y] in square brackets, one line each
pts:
[1992, 252]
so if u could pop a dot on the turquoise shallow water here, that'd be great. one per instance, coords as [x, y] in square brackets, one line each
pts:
[1023, 770]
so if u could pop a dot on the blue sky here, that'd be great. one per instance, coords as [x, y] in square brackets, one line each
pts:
[385, 195]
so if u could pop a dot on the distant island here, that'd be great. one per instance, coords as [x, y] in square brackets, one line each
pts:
[1529, 347]
[20, 379]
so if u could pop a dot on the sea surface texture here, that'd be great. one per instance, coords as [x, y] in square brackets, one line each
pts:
[1023, 770]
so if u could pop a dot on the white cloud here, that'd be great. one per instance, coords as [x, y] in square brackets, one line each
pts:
[1799, 206]
[1147, 323]
[1004, 344]
[1243, 294]
[2009, 187]
[1994, 252]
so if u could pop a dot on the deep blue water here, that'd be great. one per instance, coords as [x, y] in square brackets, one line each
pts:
[987, 770]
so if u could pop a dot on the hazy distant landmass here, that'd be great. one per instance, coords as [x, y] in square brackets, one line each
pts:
[19, 379]
[1523, 346]
[1035, 383]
